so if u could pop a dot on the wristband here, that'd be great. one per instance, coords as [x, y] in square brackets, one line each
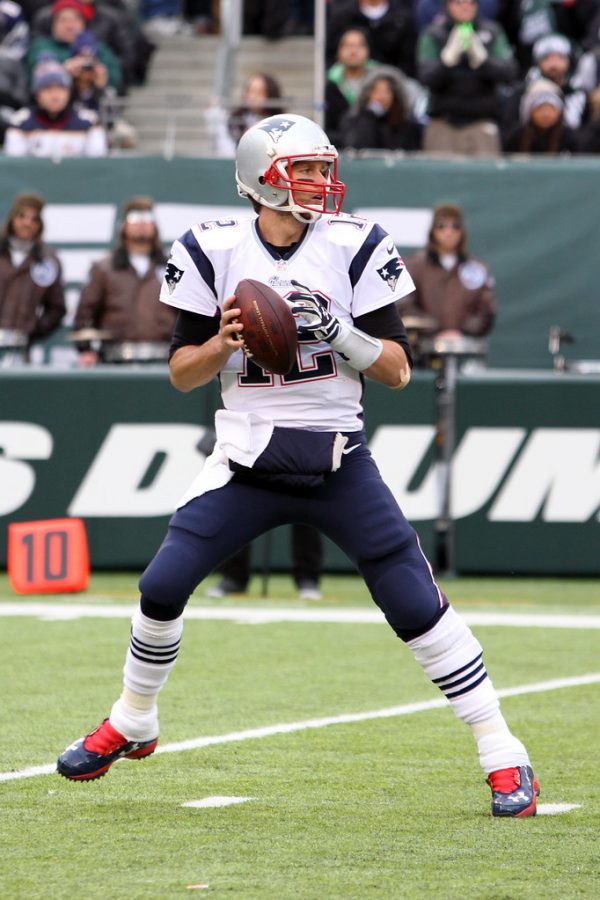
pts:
[360, 350]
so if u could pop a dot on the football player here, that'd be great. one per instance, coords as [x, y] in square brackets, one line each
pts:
[341, 276]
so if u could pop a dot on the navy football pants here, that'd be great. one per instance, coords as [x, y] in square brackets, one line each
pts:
[354, 508]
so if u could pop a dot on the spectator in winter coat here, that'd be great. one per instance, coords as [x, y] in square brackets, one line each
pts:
[121, 294]
[555, 60]
[463, 59]
[381, 119]
[113, 25]
[454, 290]
[31, 290]
[69, 19]
[542, 127]
[50, 126]
[345, 78]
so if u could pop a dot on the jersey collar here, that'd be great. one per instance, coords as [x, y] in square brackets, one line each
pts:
[275, 252]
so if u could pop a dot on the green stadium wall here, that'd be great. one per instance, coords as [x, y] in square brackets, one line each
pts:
[118, 448]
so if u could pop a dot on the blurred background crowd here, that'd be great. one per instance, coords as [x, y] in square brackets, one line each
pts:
[434, 76]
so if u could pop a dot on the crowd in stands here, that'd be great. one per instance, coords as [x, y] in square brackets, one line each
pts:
[458, 76]
[439, 76]
[60, 65]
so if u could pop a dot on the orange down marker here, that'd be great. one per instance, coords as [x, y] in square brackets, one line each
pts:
[49, 556]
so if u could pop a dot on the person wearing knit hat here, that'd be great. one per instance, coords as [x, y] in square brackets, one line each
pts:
[69, 20]
[539, 93]
[542, 127]
[454, 291]
[122, 290]
[551, 45]
[554, 59]
[114, 25]
[85, 10]
[50, 126]
[50, 73]
[32, 299]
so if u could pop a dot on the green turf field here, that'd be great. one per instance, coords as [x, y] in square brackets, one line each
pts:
[386, 807]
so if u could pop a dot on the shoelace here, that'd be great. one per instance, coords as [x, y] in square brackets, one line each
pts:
[504, 781]
[104, 740]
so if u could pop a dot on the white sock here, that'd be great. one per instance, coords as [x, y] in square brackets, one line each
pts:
[152, 653]
[452, 657]
[498, 748]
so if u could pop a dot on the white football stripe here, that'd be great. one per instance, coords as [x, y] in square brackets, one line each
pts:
[265, 615]
[213, 802]
[555, 809]
[344, 719]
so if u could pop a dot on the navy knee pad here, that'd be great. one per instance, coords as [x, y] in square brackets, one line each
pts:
[173, 574]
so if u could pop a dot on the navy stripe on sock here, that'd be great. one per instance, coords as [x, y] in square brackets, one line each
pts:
[149, 659]
[154, 648]
[468, 688]
[457, 681]
[458, 671]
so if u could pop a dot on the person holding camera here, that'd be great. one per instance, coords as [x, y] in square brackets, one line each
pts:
[70, 18]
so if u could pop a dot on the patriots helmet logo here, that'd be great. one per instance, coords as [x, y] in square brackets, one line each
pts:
[391, 272]
[173, 276]
[277, 127]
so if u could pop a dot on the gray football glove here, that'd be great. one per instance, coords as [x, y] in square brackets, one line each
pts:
[357, 348]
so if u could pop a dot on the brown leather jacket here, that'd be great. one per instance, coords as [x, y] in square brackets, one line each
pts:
[462, 298]
[118, 300]
[32, 297]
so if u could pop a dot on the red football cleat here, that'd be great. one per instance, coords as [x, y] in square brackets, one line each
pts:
[514, 792]
[92, 756]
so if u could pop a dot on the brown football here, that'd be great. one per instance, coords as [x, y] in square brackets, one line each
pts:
[270, 337]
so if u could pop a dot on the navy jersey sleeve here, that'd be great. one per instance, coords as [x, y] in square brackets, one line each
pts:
[193, 328]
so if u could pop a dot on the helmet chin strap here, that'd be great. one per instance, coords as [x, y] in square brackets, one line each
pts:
[306, 216]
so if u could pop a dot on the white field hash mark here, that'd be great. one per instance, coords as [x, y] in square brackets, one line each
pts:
[555, 809]
[258, 615]
[214, 802]
[344, 719]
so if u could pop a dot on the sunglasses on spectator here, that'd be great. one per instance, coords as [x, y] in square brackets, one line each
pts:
[136, 217]
[454, 225]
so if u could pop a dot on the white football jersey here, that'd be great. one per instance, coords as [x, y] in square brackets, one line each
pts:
[350, 261]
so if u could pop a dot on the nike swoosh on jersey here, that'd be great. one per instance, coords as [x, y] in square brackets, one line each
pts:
[350, 449]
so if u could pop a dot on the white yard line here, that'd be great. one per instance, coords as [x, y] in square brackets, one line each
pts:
[344, 719]
[263, 615]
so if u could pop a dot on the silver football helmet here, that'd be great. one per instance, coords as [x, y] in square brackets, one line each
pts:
[264, 159]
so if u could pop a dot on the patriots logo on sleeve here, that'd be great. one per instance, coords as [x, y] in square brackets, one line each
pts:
[391, 272]
[173, 276]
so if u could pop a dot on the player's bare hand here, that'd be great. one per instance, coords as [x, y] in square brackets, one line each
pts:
[230, 327]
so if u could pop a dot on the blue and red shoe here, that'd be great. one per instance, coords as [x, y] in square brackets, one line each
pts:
[92, 756]
[514, 792]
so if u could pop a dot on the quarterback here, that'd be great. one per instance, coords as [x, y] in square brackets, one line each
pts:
[292, 448]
